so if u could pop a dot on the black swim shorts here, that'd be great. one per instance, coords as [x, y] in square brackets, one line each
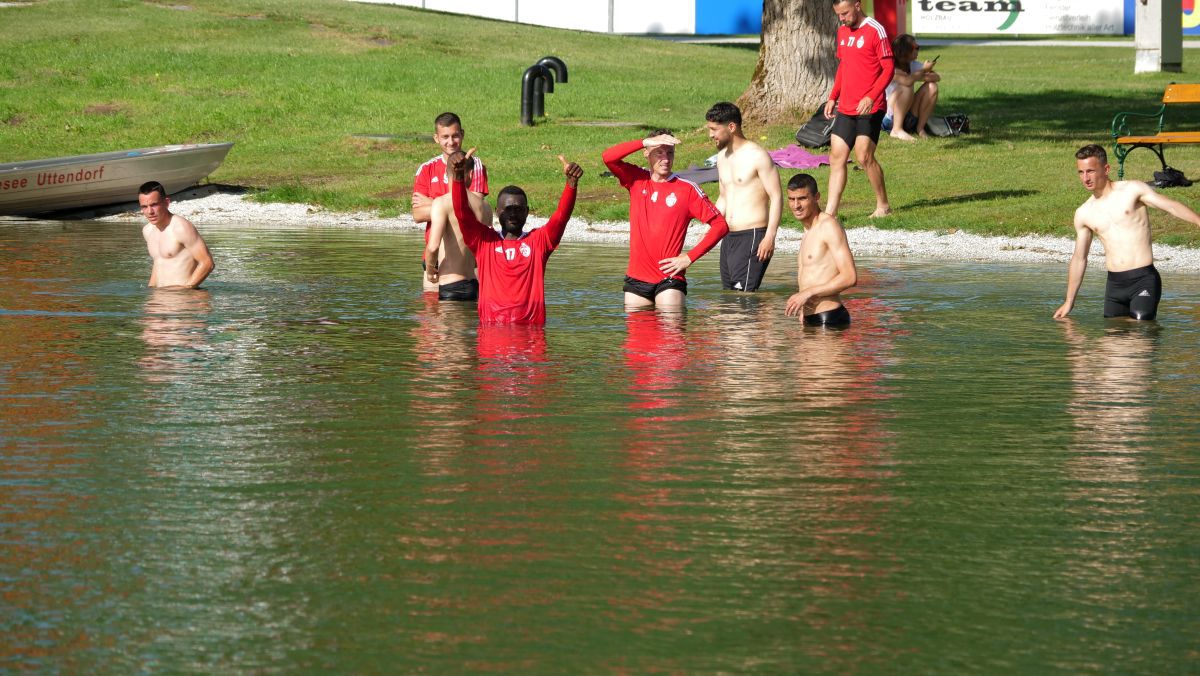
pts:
[837, 318]
[1133, 293]
[740, 268]
[463, 289]
[649, 290]
[850, 127]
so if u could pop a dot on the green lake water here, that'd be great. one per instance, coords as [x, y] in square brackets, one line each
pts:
[310, 466]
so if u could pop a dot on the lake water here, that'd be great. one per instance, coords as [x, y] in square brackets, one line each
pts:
[310, 466]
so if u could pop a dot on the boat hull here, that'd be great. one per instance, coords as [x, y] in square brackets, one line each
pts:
[64, 183]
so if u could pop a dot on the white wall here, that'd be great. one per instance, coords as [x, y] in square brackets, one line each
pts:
[628, 16]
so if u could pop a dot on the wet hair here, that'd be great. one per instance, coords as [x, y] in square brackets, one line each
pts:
[447, 120]
[803, 182]
[1092, 150]
[658, 132]
[835, 3]
[151, 187]
[904, 48]
[511, 190]
[724, 113]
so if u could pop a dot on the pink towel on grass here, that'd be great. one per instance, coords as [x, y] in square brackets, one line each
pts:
[795, 157]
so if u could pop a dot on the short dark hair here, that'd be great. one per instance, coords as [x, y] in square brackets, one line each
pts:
[1092, 150]
[446, 119]
[511, 190]
[658, 132]
[804, 182]
[724, 113]
[150, 187]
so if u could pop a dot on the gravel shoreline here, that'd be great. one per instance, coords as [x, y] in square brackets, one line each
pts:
[222, 208]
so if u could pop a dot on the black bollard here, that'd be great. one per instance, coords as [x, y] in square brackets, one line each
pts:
[557, 65]
[533, 93]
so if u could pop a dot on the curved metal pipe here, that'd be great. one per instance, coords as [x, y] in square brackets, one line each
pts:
[557, 65]
[533, 94]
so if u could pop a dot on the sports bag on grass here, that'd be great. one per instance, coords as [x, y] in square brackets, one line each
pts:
[949, 125]
[1170, 177]
[816, 132]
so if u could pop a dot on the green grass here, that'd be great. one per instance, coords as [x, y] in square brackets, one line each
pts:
[297, 83]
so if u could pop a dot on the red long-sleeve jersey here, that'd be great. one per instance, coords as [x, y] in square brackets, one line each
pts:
[659, 213]
[512, 272]
[865, 66]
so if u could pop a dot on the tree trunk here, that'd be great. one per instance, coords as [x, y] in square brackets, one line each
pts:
[796, 61]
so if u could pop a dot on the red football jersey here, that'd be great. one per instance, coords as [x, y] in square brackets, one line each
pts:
[431, 179]
[659, 214]
[865, 66]
[512, 272]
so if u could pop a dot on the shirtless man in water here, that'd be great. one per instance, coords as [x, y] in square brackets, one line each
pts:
[180, 257]
[825, 264]
[449, 266]
[1116, 212]
[750, 200]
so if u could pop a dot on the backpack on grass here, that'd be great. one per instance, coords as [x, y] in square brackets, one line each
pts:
[816, 132]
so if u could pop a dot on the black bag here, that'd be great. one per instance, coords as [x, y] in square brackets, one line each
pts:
[1170, 177]
[949, 125]
[816, 132]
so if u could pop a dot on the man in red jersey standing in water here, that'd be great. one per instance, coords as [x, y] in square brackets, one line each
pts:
[865, 67]
[449, 268]
[661, 205]
[511, 265]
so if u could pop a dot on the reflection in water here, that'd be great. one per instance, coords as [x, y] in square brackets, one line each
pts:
[307, 469]
[1112, 385]
[174, 329]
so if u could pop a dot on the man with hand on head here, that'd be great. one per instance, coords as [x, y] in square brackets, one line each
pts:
[825, 266]
[751, 200]
[180, 256]
[449, 267]
[1116, 212]
[661, 205]
[512, 264]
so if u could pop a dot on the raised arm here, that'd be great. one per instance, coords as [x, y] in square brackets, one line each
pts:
[1177, 209]
[557, 224]
[1078, 266]
[626, 173]
[474, 233]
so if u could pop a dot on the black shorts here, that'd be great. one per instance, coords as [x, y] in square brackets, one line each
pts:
[649, 290]
[1133, 293]
[463, 289]
[850, 127]
[837, 318]
[740, 268]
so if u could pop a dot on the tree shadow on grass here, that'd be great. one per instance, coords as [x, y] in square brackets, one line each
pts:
[971, 197]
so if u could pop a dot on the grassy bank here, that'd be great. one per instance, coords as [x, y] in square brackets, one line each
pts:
[332, 102]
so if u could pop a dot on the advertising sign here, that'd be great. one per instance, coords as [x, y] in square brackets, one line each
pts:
[1013, 17]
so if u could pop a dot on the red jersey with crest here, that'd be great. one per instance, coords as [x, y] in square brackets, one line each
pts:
[659, 214]
[431, 179]
[512, 272]
[865, 66]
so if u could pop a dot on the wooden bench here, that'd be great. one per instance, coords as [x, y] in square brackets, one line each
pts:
[1126, 142]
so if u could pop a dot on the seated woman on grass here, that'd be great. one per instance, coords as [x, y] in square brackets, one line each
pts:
[904, 100]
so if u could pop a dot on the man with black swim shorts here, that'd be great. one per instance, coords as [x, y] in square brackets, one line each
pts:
[1116, 213]
[865, 67]
[448, 267]
[661, 205]
[825, 266]
[750, 199]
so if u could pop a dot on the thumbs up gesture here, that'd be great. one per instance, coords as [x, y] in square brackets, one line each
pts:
[572, 171]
